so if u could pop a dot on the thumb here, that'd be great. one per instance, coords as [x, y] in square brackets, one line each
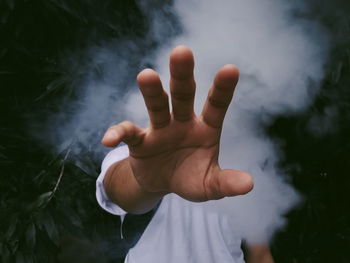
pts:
[125, 131]
[232, 182]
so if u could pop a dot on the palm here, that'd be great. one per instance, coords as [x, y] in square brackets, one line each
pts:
[179, 151]
[166, 158]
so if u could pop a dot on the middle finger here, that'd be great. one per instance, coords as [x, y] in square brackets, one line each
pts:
[182, 84]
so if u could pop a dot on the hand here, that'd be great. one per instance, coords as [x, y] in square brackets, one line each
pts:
[179, 151]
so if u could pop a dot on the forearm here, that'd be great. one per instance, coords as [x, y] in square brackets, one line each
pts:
[123, 189]
[259, 254]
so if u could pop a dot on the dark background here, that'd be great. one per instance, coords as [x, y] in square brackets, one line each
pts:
[48, 211]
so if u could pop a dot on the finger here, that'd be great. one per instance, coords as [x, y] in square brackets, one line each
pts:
[182, 84]
[230, 183]
[155, 97]
[126, 132]
[220, 96]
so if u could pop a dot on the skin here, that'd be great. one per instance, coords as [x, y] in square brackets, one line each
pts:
[259, 254]
[185, 144]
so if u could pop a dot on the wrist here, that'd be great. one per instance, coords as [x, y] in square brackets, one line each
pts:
[123, 189]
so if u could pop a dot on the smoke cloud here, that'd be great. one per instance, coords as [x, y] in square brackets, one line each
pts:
[281, 58]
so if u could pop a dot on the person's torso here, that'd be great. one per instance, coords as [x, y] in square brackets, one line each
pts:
[186, 232]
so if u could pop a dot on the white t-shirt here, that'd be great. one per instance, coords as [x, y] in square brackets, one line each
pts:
[179, 232]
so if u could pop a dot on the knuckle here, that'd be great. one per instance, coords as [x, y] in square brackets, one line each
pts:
[183, 96]
[158, 108]
[219, 103]
[183, 117]
[155, 95]
[126, 124]
[160, 124]
[217, 124]
[225, 89]
[126, 127]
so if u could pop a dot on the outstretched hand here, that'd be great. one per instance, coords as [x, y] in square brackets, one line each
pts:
[179, 151]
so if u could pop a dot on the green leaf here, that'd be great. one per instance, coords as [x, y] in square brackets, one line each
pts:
[5, 254]
[29, 259]
[31, 236]
[86, 167]
[42, 199]
[51, 229]
[13, 245]
[52, 86]
[337, 72]
[73, 217]
[11, 4]
[19, 257]
[11, 229]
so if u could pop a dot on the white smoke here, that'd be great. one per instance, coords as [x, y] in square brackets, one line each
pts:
[281, 60]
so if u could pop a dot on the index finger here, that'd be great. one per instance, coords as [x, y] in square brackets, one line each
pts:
[220, 96]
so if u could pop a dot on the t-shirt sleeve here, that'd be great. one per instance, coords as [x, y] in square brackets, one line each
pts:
[112, 157]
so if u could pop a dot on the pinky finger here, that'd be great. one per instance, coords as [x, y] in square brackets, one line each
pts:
[125, 131]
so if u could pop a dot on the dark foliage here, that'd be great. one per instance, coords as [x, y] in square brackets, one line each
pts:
[317, 150]
[48, 211]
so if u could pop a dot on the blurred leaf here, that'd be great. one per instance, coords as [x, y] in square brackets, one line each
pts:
[11, 4]
[20, 257]
[29, 258]
[51, 229]
[73, 217]
[70, 10]
[86, 167]
[11, 229]
[53, 86]
[38, 179]
[3, 52]
[31, 236]
[4, 17]
[337, 72]
[13, 245]
[5, 72]
[5, 254]
[43, 199]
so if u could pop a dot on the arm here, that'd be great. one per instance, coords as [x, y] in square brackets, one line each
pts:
[259, 254]
[123, 189]
[178, 152]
